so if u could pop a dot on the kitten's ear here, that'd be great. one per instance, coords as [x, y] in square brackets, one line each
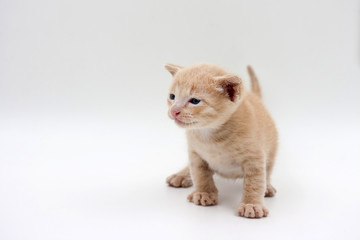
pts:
[172, 68]
[231, 85]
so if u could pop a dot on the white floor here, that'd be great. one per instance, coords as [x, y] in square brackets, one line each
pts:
[83, 178]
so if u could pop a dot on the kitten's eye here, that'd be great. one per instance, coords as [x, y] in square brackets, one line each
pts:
[194, 101]
[172, 96]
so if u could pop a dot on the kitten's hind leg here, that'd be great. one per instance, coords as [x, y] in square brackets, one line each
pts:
[180, 179]
[270, 190]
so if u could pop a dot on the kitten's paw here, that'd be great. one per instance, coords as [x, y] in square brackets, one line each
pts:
[203, 198]
[270, 191]
[252, 210]
[177, 181]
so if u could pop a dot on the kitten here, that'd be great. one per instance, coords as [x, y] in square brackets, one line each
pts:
[229, 132]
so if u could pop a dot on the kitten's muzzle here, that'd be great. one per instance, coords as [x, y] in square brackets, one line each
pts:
[175, 112]
[179, 122]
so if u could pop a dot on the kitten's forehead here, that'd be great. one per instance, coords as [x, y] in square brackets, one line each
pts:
[188, 88]
[181, 90]
[196, 80]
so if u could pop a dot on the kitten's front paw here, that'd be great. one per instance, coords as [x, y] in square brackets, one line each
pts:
[177, 180]
[203, 198]
[252, 210]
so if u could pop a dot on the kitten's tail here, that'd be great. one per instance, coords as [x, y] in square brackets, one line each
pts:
[255, 87]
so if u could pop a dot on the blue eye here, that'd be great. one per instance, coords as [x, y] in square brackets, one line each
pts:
[172, 96]
[194, 101]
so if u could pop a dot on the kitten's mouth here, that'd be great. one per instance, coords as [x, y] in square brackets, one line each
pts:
[184, 123]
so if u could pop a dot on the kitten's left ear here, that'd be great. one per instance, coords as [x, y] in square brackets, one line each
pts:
[172, 68]
[231, 85]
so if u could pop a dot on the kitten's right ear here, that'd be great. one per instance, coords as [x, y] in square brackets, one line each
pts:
[172, 68]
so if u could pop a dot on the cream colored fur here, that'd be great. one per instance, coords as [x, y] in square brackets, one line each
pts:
[229, 132]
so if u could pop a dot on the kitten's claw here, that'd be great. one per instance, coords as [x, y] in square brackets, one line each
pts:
[270, 191]
[252, 210]
[203, 198]
[177, 180]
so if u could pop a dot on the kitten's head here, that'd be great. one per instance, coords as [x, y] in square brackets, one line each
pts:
[202, 95]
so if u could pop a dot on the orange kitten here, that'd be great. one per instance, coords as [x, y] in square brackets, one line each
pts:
[229, 132]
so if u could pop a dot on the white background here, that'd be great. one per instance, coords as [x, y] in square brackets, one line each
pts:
[86, 143]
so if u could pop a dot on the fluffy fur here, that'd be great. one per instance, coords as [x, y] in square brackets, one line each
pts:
[229, 132]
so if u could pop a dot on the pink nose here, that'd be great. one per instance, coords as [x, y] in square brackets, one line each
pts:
[175, 112]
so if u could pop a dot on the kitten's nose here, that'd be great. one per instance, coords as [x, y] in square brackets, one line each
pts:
[175, 112]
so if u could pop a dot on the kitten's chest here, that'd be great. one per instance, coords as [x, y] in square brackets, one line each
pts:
[224, 157]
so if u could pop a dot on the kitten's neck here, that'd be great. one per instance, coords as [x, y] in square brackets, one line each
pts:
[204, 134]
